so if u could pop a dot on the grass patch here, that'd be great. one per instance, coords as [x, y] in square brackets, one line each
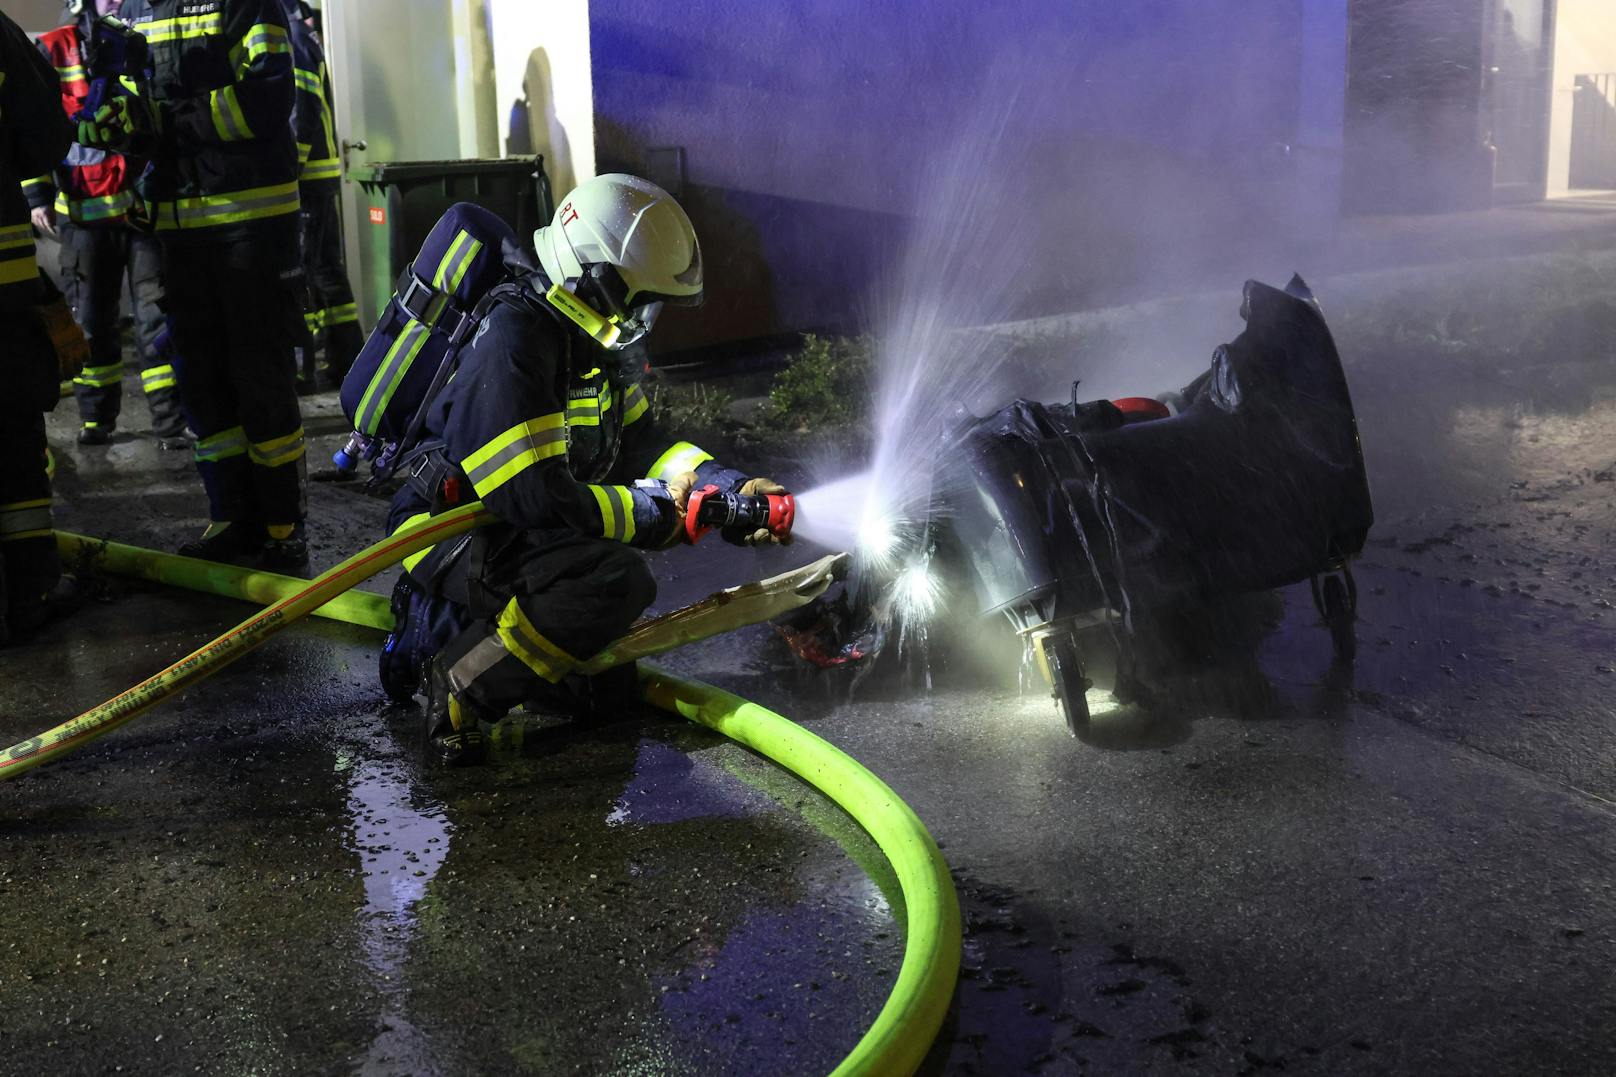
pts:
[695, 410]
[827, 384]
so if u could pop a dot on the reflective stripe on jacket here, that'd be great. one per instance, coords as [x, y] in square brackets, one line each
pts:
[223, 91]
[547, 440]
[319, 167]
[91, 186]
[36, 137]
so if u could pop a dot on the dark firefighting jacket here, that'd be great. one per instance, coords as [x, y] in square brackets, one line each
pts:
[222, 87]
[550, 431]
[91, 186]
[319, 165]
[34, 135]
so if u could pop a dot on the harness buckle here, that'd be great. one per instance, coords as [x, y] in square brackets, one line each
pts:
[417, 298]
[435, 479]
[465, 323]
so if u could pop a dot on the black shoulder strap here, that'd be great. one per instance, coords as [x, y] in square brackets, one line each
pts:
[514, 291]
[465, 333]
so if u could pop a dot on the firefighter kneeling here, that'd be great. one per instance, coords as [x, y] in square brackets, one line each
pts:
[545, 421]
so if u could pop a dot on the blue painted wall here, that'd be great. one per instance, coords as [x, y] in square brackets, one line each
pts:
[1139, 133]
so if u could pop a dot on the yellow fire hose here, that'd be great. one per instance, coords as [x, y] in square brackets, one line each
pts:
[215, 655]
[904, 1029]
[82, 554]
[902, 1032]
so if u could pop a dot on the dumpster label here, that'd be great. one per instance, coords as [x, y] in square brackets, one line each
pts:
[378, 215]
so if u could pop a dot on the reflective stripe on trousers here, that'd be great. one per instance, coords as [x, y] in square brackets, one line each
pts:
[514, 635]
[221, 446]
[25, 520]
[99, 377]
[280, 451]
[154, 378]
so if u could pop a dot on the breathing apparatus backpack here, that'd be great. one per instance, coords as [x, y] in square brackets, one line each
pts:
[469, 261]
[440, 299]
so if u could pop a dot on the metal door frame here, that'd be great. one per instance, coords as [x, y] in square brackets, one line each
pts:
[1535, 189]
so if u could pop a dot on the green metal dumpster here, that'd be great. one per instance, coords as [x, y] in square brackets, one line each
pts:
[400, 201]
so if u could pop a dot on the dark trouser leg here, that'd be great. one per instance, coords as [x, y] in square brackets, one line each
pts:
[332, 304]
[28, 375]
[92, 280]
[28, 561]
[232, 315]
[568, 597]
[157, 376]
[27, 543]
[197, 306]
[266, 391]
[343, 342]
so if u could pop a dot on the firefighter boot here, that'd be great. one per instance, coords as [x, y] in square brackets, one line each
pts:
[454, 737]
[422, 625]
[285, 550]
[400, 665]
[33, 608]
[227, 542]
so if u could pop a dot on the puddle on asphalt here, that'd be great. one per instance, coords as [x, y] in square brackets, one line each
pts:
[747, 972]
[751, 984]
[668, 786]
[402, 839]
[676, 786]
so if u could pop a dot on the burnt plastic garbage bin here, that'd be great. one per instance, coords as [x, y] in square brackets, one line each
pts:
[402, 200]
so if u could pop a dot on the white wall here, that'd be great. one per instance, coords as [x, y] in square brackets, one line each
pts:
[35, 16]
[1584, 44]
[429, 80]
[475, 102]
[548, 45]
[393, 73]
[393, 80]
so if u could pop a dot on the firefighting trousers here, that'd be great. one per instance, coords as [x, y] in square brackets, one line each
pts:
[95, 263]
[234, 313]
[28, 560]
[331, 315]
[542, 602]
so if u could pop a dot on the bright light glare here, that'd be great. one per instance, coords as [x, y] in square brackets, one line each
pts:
[916, 592]
[878, 538]
[1101, 702]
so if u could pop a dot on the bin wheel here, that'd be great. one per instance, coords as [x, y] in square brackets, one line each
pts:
[1069, 683]
[1340, 617]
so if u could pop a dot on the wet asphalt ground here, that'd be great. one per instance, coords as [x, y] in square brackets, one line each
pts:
[1407, 866]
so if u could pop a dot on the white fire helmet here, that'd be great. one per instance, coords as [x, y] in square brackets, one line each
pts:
[618, 249]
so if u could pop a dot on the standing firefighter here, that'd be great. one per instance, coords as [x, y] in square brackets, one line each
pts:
[90, 198]
[34, 135]
[545, 422]
[331, 314]
[223, 198]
